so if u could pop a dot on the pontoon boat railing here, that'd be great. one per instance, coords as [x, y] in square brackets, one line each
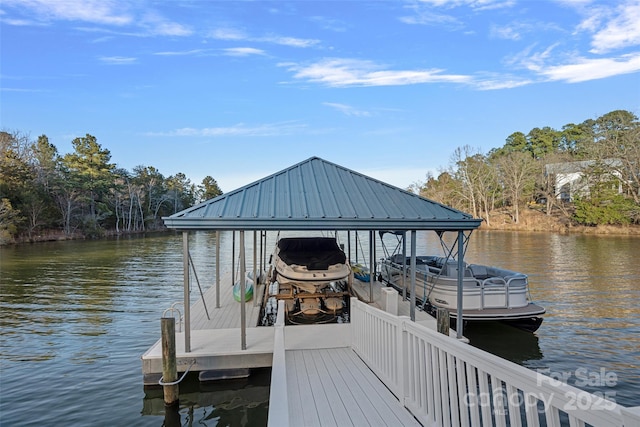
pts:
[490, 282]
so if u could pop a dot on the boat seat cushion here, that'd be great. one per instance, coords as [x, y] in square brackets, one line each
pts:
[479, 271]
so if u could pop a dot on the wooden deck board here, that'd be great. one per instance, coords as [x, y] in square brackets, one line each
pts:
[354, 413]
[384, 402]
[307, 411]
[227, 316]
[334, 387]
[326, 376]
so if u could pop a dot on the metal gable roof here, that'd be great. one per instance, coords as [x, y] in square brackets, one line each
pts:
[320, 195]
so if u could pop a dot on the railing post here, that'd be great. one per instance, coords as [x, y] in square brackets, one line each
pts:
[442, 316]
[390, 301]
[403, 357]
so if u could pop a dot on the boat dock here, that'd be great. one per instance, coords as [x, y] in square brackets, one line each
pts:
[382, 369]
[387, 364]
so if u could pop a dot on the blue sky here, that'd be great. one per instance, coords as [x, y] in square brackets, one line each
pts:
[241, 89]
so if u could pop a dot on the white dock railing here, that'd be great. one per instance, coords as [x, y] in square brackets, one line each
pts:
[444, 382]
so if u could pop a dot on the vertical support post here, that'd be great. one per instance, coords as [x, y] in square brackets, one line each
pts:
[459, 321]
[349, 246]
[217, 268]
[404, 266]
[356, 243]
[169, 367]
[263, 244]
[187, 303]
[261, 255]
[372, 242]
[233, 258]
[412, 300]
[256, 273]
[243, 290]
[442, 316]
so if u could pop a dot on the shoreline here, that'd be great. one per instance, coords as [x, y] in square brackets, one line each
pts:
[533, 221]
[523, 227]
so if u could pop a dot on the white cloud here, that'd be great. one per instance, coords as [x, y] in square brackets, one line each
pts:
[239, 35]
[181, 53]
[585, 69]
[424, 11]
[510, 32]
[338, 26]
[474, 4]
[96, 11]
[116, 13]
[241, 129]
[429, 17]
[158, 25]
[228, 34]
[289, 41]
[501, 83]
[623, 30]
[347, 109]
[117, 60]
[533, 61]
[243, 51]
[336, 72]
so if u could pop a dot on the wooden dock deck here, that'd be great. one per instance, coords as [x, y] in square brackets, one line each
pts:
[334, 387]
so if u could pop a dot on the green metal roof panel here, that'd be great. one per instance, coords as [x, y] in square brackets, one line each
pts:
[320, 194]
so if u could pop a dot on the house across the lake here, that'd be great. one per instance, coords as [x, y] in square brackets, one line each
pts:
[576, 178]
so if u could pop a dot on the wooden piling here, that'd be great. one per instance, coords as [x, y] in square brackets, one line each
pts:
[169, 368]
[442, 316]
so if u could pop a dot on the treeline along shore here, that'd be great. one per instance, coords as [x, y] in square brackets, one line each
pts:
[583, 178]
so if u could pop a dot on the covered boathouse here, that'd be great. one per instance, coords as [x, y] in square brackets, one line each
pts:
[322, 196]
[381, 368]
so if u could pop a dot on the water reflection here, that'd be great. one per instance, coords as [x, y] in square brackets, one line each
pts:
[504, 341]
[240, 402]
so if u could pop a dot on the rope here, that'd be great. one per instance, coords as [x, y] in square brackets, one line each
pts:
[162, 383]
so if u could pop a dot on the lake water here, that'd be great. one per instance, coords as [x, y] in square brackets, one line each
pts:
[76, 316]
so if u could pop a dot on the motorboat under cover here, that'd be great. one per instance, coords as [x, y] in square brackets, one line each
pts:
[310, 262]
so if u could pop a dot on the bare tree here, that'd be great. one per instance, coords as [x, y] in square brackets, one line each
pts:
[517, 174]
